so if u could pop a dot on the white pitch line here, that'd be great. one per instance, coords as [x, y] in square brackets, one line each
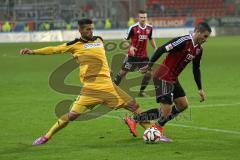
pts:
[214, 105]
[197, 106]
[186, 126]
[205, 129]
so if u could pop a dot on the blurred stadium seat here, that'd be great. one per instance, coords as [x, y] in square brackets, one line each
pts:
[58, 13]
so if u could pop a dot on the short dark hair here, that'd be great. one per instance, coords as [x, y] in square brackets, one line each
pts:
[84, 21]
[202, 27]
[142, 12]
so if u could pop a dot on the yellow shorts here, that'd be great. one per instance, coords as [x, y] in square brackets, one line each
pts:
[103, 92]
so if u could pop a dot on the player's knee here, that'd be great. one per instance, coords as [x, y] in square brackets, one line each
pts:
[73, 116]
[181, 103]
[165, 111]
[132, 106]
[182, 106]
[185, 106]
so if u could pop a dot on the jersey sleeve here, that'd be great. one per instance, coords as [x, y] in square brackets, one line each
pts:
[175, 44]
[196, 70]
[63, 48]
[129, 33]
[150, 35]
[172, 45]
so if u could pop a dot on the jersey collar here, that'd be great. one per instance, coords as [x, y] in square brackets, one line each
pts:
[141, 26]
[85, 41]
[194, 45]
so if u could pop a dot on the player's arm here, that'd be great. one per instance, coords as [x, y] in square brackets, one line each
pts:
[47, 50]
[169, 46]
[152, 41]
[197, 76]
[157, 54]
[130, 33]
[153, 44]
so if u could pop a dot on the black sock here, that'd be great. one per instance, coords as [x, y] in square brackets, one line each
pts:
[162, 120]
[145, 82]
[147, 115]
[117, 79]
[175, 111]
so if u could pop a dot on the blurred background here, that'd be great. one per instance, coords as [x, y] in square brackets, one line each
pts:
[209, 130]
[36, 15]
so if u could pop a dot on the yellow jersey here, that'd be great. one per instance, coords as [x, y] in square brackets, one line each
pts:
[90, 55]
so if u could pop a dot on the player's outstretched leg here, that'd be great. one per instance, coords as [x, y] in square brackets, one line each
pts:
[131, 123]
[153, 114]
[181, 104]
[61, 123]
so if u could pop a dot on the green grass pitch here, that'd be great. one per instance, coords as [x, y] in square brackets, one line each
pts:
[209, 130]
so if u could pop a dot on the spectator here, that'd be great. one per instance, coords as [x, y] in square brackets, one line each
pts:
[107, 24]
[45, 26]
[131, 21]
[26, 28]
[68, 26]
[6, 27]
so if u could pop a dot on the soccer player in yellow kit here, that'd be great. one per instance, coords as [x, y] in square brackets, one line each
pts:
[98, 87]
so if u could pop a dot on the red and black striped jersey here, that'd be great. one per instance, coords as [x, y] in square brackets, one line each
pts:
[181, 51]
[139, 37]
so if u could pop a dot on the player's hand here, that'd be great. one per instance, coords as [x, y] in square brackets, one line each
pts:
[144, 69]
[132, 50]
[202, 95]
[26, 51]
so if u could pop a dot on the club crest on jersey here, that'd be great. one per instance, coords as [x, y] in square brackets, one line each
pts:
[93, 45]
[147, 31]
[189, 57]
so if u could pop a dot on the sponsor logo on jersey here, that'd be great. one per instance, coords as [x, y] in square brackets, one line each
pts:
[189, 57]
[142, 37]
[93, 45]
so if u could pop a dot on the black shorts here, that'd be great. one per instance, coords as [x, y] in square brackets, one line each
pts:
[166, 92]
[134, 63]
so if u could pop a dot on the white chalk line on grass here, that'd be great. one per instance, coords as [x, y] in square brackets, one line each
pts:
[205, 129]
[187, 126]
[215, 105]
[197, 106]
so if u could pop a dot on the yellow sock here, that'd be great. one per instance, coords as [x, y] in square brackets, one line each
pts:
[61, 123]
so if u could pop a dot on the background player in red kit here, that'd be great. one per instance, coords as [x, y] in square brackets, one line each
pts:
[181, 51]
[137, 57]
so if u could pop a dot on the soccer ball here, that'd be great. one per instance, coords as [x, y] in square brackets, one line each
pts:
[151, 135]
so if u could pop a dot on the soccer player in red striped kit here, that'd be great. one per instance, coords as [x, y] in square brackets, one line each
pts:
[137, 57]
[181, 51]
